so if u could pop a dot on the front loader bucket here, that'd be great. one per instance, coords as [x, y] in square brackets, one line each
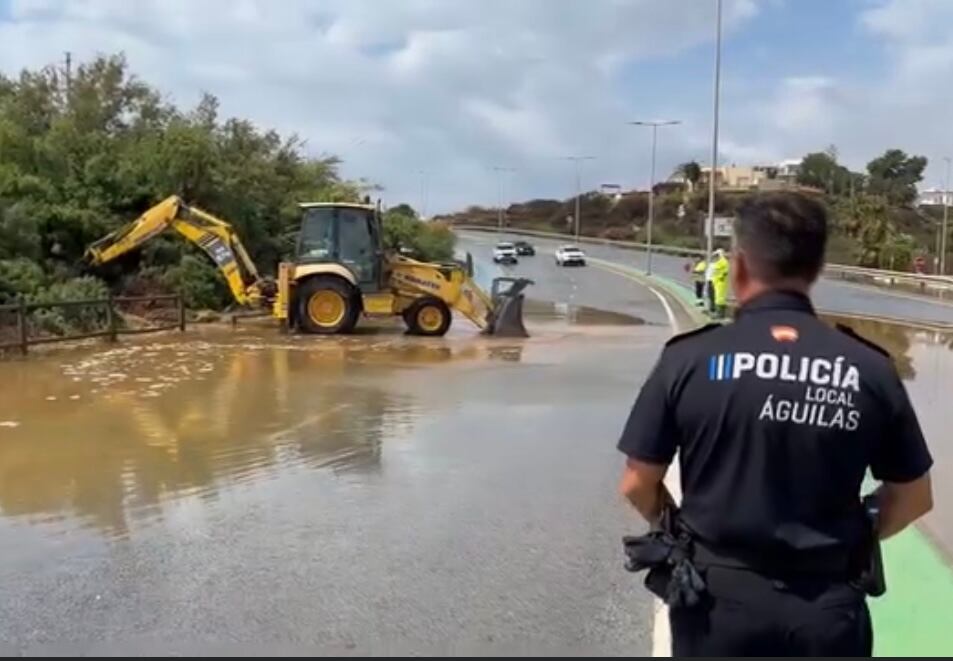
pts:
[506, 320]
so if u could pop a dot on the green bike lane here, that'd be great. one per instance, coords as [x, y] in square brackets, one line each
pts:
[913, 618]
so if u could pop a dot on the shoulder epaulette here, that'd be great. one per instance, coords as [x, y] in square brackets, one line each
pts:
[692, 333]
[847, 330]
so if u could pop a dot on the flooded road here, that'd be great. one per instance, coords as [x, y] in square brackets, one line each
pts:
[374, 494]
[924, 359]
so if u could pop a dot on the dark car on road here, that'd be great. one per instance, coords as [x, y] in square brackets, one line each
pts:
[524, 248]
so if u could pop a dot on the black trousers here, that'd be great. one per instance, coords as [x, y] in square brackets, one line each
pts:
[746, 614]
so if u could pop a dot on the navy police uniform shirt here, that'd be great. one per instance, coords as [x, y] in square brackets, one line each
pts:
[776, 418]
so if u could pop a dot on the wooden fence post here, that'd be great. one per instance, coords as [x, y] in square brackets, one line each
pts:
[22, 327]
[181, 301]
[110, 319]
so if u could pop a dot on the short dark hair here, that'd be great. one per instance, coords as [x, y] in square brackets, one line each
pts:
[783, 236]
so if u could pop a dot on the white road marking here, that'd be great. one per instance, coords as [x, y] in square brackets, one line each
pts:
[668, 308]
[661, 628]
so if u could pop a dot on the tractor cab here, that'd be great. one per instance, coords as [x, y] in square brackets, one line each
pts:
[344, 234]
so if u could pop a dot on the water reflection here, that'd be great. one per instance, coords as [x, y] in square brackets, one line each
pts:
[897, 339]
[580, 315]
[107, 437]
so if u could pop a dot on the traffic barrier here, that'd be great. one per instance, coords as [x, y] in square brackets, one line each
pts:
[937, 285]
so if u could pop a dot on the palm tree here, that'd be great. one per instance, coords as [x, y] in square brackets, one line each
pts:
[690, 172]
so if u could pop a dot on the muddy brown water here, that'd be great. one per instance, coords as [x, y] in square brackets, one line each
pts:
[100, 435]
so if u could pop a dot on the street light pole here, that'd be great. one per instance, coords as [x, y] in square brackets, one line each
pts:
[499, 194]
[710, 223]
[648, 231]
[423, 194]
[946, 216]
[577, 160]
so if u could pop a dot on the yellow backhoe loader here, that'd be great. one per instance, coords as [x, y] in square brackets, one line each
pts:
[340, 272]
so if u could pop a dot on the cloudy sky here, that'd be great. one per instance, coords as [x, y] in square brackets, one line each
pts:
[452, 88]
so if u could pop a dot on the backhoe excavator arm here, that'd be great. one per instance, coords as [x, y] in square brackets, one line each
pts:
[214, 236]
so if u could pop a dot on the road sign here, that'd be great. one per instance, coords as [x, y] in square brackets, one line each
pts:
[724, 226]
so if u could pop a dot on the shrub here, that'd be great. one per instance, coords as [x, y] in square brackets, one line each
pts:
[20, 277]
[74, 319]
[199, 283]
[429, 242]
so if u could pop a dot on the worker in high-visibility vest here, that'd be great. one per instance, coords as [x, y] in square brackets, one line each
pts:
[698, 278]
[719, 280]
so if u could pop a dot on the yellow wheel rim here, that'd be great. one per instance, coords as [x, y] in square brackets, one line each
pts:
[430, 317]
[327, 308]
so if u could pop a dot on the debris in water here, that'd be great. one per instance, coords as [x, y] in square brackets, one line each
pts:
[51, 398]
[74, 397]
[11, 424]
[143, 379]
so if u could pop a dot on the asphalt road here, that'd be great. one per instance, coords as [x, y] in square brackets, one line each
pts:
[242, 492]
[573, 286]
[830, 295]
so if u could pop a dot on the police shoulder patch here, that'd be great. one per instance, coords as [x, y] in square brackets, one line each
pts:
[692, 333]
[847, 330]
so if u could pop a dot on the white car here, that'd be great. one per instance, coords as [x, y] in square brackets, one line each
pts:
[570, 256]
[504, 253]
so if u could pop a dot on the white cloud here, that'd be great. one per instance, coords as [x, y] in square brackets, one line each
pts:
[907, 105]
[449, 86]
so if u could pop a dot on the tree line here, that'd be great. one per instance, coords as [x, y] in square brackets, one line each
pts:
[82, 156]
[873, 212]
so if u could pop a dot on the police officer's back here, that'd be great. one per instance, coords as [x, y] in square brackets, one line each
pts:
[776, 419]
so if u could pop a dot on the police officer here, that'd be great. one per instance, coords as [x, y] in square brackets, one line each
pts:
[775, 419]
[719, 280]
[698, 279]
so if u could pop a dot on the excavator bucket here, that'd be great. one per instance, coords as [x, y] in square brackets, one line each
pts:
[506, 319]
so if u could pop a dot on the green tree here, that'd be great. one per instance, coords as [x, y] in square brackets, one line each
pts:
[76, 165]
[895, 176]
[404, 209]
[431, 242]
[866, 219]
[691, 172]
[821, 170]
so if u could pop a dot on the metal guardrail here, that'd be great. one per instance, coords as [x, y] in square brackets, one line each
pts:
[631, 245]
[920, 281]
[111, 328]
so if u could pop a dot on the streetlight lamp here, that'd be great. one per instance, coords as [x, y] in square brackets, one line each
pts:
[710, 222]
[578, 161]
[946, 216]
[648, 233]
[499, 169]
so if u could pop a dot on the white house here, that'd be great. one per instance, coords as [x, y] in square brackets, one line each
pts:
[934, 197]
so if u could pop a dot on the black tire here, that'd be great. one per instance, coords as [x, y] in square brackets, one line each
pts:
[309, 320]
[421, 317]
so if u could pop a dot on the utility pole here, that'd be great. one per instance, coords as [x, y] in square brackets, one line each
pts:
[710, 229]
[577, 160]
[499, 194]
[946, 217]
[648, 232]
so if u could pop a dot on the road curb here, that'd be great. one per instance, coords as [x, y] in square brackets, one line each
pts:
[679, 293]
